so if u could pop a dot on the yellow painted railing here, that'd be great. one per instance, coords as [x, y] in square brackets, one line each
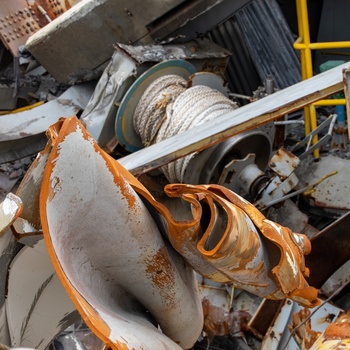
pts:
[305, 46]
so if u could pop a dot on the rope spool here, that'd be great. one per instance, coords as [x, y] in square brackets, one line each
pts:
[168, 108]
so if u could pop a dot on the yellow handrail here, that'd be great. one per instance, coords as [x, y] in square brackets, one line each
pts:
[305, 46]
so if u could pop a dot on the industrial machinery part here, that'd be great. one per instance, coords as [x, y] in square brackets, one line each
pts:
[129, 62]
[241, 119]
[170, 98]
[237, 163]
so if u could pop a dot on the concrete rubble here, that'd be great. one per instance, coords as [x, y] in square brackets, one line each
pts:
[146, 205]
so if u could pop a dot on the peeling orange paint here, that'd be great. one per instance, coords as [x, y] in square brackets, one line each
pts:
[284, 253]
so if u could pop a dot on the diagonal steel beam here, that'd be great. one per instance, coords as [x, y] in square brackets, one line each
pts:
[244, 118]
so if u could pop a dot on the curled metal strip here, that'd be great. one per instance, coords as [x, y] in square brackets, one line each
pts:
[279, 253]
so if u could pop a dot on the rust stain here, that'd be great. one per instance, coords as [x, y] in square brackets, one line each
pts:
[339, 329]
[219, 322]
[159, 269]
[301, 324]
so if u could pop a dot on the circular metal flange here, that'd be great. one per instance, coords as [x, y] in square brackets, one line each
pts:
[125, 132]
[209, 79]
[207, 166]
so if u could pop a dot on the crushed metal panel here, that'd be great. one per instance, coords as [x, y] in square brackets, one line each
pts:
[99, 114]
[38, 307]
[278, 336]
[200, 50]
[229, 215]
[37, 120]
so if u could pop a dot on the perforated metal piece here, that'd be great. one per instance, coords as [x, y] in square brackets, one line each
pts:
[19, 19]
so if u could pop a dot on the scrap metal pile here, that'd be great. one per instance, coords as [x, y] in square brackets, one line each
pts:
[144, 206]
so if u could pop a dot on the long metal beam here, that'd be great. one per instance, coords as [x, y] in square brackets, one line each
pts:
[244, 118]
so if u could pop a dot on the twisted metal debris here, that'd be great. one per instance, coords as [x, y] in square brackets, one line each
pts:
[130, 285]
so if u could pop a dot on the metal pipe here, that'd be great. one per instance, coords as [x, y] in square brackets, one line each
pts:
[332, 102]
[305, 46]
[298, 45]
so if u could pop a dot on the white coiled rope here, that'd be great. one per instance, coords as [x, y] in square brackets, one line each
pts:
[167, 108]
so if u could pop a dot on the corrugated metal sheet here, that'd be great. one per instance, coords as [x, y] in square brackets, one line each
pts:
[270, 42]
[261, 43]
[241, 73]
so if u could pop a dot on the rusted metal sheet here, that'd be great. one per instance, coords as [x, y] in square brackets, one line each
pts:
[19, 19]
[330, 250]
[109, 253]
[283, 163]
[307, 324]
[336, 336]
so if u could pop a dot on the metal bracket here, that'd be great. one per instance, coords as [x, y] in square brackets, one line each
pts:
[329, 122]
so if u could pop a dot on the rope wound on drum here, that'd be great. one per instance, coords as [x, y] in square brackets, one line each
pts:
[168, 107]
